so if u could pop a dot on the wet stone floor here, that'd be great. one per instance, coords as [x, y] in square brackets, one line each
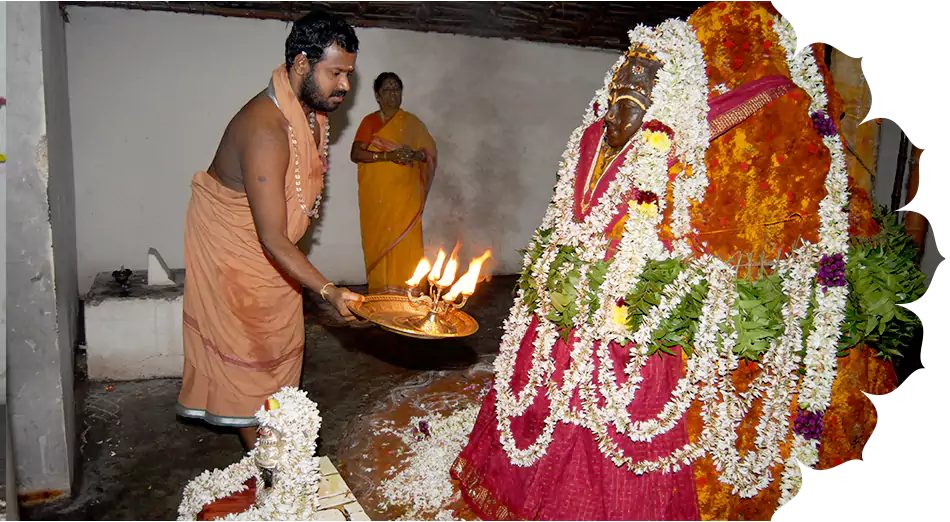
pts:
[136, 455]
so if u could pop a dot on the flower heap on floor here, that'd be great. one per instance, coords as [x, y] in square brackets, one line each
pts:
[421, 483]
[283, 463]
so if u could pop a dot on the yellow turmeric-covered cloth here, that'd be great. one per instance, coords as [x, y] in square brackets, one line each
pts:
[243, 317]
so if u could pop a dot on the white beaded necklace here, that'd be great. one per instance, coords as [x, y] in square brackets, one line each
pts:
[293, 139]
[326, 154]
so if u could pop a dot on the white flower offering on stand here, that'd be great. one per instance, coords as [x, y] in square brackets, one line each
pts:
[283, 462]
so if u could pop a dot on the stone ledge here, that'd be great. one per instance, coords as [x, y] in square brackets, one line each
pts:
[135, 333]
[105, 288]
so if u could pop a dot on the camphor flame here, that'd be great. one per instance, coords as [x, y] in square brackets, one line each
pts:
[466, 284]
[449, 274]
[437, 267]
[421, 270]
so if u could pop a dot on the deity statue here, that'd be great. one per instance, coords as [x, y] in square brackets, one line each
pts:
[267, 456]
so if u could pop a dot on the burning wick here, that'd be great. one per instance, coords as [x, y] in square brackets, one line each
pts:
[466, 284]
[437, 267]
[449, 274]
[439, 306]
[421, 270]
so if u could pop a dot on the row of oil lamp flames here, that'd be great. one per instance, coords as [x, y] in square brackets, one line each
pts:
[440, 279]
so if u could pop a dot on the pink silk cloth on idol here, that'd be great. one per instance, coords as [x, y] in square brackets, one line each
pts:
[573, 480]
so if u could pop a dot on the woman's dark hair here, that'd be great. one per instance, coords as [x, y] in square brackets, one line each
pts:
[378, 84]
[317, 31]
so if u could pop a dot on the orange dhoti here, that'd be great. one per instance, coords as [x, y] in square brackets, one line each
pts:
[243, 317]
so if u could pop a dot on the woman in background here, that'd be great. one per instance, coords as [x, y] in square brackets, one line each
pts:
[396, 159]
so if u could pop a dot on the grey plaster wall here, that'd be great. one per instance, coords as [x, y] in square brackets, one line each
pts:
[41, 251]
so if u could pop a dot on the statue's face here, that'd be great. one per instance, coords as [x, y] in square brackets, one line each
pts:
[630, 96]
[268, 447]
[268, 436]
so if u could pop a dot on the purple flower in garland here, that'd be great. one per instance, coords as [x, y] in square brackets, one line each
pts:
[424, 428]
[823, 124]
[831, 271]
[809, 424]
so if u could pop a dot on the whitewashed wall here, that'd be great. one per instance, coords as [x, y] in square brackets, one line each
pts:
[151, 93]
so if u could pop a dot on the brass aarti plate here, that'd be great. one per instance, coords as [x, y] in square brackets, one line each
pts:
[396, 314]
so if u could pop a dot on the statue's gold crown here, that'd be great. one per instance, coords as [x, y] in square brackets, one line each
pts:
[635, 51]
[638, 51]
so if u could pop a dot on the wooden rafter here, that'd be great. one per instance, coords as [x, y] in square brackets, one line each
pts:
[594, 16]
[589, 24]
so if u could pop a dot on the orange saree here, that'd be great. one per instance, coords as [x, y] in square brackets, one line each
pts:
[243, 317]
[392, 198]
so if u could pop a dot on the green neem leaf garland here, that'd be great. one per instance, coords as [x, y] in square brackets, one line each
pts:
[881, 272]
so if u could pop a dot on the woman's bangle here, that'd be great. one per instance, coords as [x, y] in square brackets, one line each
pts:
[323, 291]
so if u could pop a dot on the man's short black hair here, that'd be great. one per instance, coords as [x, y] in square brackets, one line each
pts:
[378, 84]
[315, 32]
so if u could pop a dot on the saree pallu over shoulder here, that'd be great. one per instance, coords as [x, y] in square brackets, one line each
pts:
[734, 107]
[243, 317]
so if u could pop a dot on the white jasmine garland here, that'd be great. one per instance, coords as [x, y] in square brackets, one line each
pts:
[295, 494]
[446, 514]
[680, 102]
[821, 348]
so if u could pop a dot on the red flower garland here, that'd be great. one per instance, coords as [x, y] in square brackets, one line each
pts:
[657, 126]
[643, 197]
